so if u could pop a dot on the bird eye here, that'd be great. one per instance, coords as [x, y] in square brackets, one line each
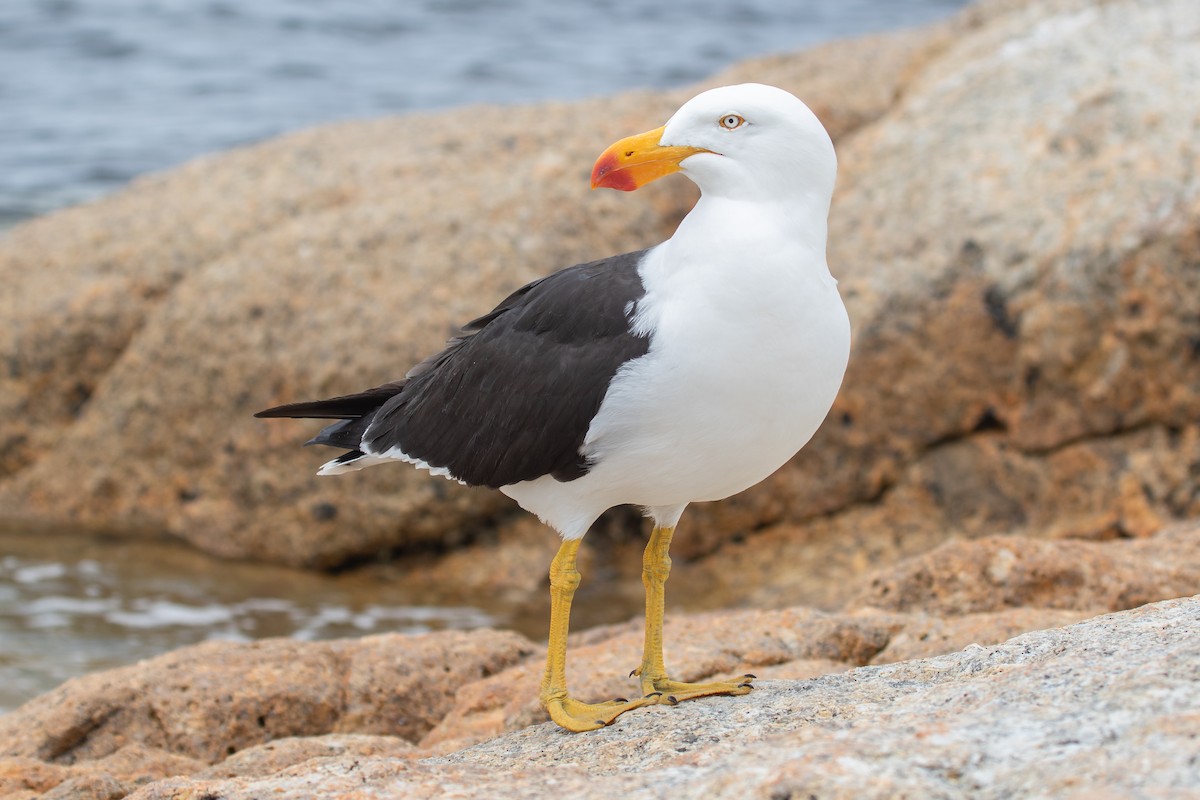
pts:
[731, 121]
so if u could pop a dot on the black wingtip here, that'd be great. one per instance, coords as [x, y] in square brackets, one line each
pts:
[350, 406]
[294, 411]
[315, 410]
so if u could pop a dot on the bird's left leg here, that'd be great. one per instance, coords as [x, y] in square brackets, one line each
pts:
[564, 709]
[656, 567]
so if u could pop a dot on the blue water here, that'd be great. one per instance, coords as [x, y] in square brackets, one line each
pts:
[95, 92]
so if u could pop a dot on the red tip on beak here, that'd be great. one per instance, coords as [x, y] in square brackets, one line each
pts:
[608, 174]
[636, 160]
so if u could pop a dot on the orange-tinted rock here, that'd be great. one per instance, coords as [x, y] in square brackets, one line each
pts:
[277, 755]
[113, 776]
[212, 700]
[448, 691]
[925, 635]
[22, 777]
[1119, 486]
[716, 646]
[963, 577]
[1105, 708]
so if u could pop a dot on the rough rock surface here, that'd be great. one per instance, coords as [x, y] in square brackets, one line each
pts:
[999, 572]
[1104, 708]
[962, 593]
[275, 756]
[215, 699]
[115, 775]
[255, 711]
[1015, 230]
[229, 710]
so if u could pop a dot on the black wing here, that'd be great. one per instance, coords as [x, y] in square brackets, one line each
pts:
[512, 397]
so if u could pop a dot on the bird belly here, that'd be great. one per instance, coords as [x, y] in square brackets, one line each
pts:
[725, 396]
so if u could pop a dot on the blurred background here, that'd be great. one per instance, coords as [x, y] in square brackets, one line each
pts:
[95, 92]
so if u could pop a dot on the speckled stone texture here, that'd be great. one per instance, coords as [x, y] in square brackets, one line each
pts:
[211, 700]
[1104, 708]
[248, 711]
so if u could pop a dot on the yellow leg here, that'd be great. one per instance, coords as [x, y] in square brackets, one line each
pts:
[564, 709]
[656, 567]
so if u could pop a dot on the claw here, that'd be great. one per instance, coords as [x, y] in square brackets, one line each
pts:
[633, 672]
[749, 675]
[620, 700]
[673, 700]
[746, 685]
[654, 694]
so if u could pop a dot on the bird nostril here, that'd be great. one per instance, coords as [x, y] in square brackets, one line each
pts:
[628, 153]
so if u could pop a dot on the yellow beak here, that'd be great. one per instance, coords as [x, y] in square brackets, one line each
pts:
[637, 160]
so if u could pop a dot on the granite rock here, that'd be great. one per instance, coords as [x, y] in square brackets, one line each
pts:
[279, 754]
[714, 646]
[257, 710]
[115, 775]
[281, 708]
[1004, 572]
[212, 700]
[1103, 708]
[964, 592]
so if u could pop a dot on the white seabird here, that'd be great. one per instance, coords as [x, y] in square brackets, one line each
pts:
[686, 372]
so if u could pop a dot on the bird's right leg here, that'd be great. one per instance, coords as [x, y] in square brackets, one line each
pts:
[564, 709]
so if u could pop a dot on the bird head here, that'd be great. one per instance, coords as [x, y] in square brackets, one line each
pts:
[748, 142]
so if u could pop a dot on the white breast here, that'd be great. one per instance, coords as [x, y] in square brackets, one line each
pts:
[749, 343]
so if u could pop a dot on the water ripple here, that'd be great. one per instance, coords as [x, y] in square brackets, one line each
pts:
[115, 604]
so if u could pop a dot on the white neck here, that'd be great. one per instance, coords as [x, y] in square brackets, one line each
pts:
[787, 234]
